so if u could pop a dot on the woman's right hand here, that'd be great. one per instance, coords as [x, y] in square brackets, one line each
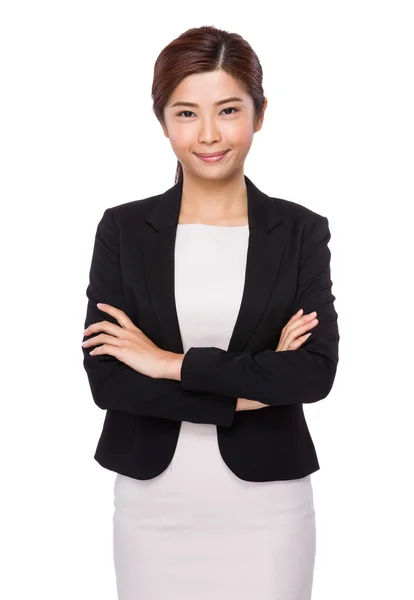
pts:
[292, 337]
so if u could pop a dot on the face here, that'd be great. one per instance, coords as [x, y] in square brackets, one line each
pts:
[197, 121]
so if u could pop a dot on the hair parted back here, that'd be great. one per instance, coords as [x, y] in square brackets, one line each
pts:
[200, 50]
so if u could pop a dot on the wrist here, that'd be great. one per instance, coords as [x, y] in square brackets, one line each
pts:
[245, 404]
[171, 368]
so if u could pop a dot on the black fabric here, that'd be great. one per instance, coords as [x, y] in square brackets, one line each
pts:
[288, 267]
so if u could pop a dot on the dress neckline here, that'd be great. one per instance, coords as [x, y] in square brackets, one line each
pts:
[213, 226]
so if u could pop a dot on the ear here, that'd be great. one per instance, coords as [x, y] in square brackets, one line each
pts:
[259, 121]
[164, 128]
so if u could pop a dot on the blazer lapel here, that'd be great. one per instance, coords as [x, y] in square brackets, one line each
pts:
[265, 250]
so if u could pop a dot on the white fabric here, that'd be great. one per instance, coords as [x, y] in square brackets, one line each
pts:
[197, 531]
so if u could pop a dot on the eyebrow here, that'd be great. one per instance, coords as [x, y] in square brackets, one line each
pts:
[225, 101]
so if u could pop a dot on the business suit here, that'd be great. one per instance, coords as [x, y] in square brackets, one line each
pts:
[288, 267]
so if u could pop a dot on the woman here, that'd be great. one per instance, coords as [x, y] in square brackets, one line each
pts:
[206, 347]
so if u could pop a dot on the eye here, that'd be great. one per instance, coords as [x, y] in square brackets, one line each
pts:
[231, 108]
[191, 112]
[184, 111]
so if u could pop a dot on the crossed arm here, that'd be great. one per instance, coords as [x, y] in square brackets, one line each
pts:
[206, 385]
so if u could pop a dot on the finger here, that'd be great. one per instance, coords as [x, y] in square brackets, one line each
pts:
[301, 322]
[106, 327]
[102, 338]
[298, 329]
[295, 316]
[303, 319]
[294, 322]
[295, 333]
[298, 342]
[106, 349]
[118, 314]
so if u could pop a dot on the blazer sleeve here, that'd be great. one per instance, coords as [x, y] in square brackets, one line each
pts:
[304, 375]
[116, 386]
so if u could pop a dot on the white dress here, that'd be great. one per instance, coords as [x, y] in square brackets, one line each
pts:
[197, 531]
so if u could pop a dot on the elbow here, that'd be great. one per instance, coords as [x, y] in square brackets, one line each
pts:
[101, 383]
[325, 388]
[326, 377]
[98, 393]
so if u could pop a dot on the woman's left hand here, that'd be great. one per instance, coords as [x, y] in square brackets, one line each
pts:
[126, 342]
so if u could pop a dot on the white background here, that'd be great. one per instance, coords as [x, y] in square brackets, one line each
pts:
[78, 135]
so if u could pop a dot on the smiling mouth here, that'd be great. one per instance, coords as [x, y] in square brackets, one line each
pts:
[211, 155]
[212, 158]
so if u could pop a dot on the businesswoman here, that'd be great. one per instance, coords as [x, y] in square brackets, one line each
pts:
[210, 322]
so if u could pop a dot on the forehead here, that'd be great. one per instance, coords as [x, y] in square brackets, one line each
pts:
[208, 88]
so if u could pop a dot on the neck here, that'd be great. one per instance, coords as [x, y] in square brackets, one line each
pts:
[214, 200]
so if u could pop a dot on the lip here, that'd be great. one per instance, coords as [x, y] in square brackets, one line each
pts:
[214, 157]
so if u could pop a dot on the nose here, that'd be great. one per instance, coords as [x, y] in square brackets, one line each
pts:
[209, 132]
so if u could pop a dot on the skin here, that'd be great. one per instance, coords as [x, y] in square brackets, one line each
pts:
[130, 345]
[214, 194]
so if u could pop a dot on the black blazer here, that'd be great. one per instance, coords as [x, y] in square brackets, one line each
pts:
[288, 268]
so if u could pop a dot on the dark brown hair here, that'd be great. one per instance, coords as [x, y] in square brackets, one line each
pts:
[200, 50]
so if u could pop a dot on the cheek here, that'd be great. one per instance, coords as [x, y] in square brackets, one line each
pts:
[237, 134]
[181, 139]
[242, 140]
[240, 133]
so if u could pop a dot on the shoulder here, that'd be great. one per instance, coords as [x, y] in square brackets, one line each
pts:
[132, 211]
[136, 210]
[301, 223]
[291, 211]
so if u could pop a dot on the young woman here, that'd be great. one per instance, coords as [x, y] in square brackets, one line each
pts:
[218, 324]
